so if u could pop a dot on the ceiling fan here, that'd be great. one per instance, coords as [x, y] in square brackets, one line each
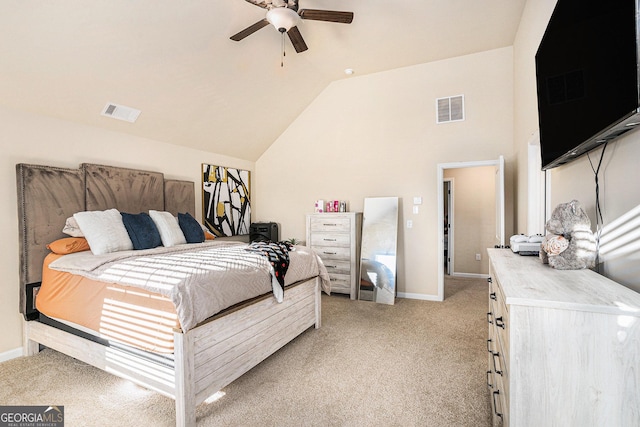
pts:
[284, 16]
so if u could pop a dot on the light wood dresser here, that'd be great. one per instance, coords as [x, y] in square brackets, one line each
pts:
[563, 346]
[336, 239]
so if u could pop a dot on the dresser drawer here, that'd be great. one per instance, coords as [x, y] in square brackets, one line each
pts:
[340, 283]
[328, 252]
[498, 403]
[330, 239]
[500, 315]
[496, 380]
[335, 266]
[329, 224]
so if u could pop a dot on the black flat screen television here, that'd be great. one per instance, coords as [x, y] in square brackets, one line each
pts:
[587, 77]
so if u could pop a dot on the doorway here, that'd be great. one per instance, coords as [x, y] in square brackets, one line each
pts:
[448, 220]
[497, 187]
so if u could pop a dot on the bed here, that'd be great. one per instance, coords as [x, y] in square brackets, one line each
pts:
[188, 364]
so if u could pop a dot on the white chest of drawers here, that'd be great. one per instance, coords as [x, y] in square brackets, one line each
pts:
[336, 239]
[564, 346]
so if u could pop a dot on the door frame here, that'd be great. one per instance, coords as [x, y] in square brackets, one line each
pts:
[499, 163]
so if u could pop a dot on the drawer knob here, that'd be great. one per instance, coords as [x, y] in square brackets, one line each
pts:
[493, 296]
[500, 323]
[489, 314]
[489, 280]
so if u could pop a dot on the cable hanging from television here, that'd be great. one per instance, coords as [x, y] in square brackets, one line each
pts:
[599, 220]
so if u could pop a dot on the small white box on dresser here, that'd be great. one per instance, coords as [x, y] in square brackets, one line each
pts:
[564, 346]
[336, 238]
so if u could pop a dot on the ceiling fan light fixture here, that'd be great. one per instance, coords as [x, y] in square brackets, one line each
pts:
[283, 18]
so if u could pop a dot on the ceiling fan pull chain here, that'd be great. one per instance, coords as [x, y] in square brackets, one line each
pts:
[283, 52]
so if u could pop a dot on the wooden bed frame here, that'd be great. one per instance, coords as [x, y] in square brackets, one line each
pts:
[207, 357]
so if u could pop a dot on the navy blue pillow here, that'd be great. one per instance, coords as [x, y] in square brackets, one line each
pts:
[142, 230]
[190, 228]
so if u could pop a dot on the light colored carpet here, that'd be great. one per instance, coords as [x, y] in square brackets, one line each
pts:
[416, 363]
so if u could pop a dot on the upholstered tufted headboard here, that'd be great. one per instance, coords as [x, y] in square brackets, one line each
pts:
[48, 195]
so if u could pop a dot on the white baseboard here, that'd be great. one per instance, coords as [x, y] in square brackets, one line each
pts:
[11, 354]
[418, 296]
[472, 275]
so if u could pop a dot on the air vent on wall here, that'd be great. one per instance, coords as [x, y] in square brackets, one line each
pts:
[450, 109]
[120, 112]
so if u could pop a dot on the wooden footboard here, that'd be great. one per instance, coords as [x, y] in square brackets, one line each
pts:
[206, 358]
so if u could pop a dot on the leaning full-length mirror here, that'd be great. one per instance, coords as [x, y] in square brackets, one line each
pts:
[378, 250]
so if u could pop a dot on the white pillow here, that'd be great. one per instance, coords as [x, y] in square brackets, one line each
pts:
[104, 230]
[71, 228]
[170, 231]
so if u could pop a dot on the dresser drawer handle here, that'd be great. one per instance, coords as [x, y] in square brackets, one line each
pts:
[489, 341]
[330, 240]
[488, 379]
[489, 280]
[329, 253]
[495, 367]
[330, 225]
[331, 266]
[489, 314]
[493, 296]
[495, 404]
[500, 323]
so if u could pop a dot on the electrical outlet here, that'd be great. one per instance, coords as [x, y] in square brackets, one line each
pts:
[409, 224]
[478, 257]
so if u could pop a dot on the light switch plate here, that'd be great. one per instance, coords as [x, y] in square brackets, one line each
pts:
[417, 200]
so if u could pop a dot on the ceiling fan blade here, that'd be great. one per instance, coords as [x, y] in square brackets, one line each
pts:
[249, 30]
[297, 40]
[327, 15]
[260, 3]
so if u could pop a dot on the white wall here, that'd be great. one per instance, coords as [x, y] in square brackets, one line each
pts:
[619, 199]
[27, 138]
[619, 175]
[376, 135]
[532, 26]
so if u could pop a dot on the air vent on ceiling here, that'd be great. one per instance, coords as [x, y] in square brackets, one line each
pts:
[450, 109]
[120, 112]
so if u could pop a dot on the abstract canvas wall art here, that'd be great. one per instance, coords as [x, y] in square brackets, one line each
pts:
[226, 200]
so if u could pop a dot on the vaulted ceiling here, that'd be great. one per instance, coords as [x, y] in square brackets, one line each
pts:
[174, 61]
